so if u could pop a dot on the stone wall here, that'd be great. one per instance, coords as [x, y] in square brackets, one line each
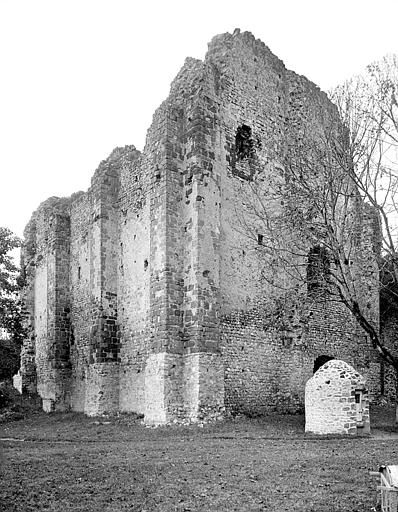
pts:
[146, 293]
[267, 358]
[133, 282]
[389, 329]
[96, 260]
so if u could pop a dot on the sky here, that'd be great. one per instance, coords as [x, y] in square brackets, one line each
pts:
[81, 77]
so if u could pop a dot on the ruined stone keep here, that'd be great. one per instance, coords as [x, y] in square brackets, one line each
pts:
[337, 401]
[144, 294]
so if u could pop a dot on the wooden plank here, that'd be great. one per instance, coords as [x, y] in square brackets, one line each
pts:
[392, 474]
[384, 480]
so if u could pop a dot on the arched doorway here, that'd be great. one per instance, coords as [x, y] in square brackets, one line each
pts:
[320, 361]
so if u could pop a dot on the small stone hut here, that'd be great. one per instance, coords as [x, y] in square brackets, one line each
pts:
[337, 401]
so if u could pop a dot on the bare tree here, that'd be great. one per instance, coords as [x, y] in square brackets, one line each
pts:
[328, 216]
[368, 108]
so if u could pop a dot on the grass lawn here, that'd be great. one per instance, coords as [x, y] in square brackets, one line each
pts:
[68, 462]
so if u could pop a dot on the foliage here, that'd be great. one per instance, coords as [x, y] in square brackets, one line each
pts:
[10, 304]
[8, 270]
[5, 398]
[9, 358]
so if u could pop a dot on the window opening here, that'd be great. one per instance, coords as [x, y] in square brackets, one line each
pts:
[318, 268]
[244, 143]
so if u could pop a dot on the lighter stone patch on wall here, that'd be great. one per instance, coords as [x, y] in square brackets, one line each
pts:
[132, 390]
[41, 301]
[17, 381]
[155, 410]
[102, 393]
[48, 404]
[191, 382]
[211, 386]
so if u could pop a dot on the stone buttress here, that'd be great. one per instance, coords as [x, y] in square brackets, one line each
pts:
[102, 393]
[184, 371]
[48, 301]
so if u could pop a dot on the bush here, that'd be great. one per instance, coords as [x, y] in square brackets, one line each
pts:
[5, 395]
[9, 359]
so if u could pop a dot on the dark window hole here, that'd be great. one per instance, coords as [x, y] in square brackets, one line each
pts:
[244, 143]
[318, 268]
